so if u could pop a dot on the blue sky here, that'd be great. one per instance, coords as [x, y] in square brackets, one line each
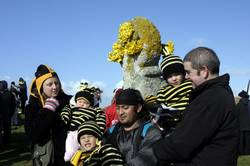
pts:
[74, 37]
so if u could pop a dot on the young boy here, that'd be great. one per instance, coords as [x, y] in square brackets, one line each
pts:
[91, 151]
[174, 96]
[75, 116]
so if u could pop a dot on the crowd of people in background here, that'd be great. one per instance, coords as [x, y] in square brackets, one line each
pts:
[12, 103]
[192, 120]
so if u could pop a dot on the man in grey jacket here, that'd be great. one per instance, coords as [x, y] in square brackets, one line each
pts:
[133, 135]
[208, 135]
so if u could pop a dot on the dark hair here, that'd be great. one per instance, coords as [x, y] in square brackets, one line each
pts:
[203, 56]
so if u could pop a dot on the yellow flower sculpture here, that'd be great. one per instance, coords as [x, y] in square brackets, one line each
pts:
[125, 44]
[125, 32]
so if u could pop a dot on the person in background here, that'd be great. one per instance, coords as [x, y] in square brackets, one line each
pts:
[243, 110]
[15, 91]
[43, 124]
[208, 135]
[23, 93]
[75, 116]
[134, 134]
[110, 111]
[7, 108]
[92, 151]
[97, 96]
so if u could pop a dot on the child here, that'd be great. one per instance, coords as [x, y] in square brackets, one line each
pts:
[91, 151]
[73, 117]
[174, 96]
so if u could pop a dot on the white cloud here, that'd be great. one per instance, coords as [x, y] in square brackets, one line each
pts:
[239, 72]
[71, 88]
[198, 41]
[6, 78]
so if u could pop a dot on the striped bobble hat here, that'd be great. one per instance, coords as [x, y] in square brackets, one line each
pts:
[170, 63]
[89, 127]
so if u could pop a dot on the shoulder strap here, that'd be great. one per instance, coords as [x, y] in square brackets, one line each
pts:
[146, 126]
[114, 128]
[111, 129]
[111, 134]
[141, 134]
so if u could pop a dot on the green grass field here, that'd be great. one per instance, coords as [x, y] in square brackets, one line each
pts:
[18, 153]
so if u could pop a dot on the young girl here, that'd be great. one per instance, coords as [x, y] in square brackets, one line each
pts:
[91, 151]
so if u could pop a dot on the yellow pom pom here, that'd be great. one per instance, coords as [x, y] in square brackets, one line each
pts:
[168, 48]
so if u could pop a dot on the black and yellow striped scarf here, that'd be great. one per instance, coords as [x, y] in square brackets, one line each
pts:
[175, 97]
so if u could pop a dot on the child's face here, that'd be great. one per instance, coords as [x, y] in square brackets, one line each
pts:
[175, 79]
[87, 141]
[82, 103]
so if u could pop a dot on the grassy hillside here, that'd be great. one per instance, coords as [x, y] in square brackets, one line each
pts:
[17, 153]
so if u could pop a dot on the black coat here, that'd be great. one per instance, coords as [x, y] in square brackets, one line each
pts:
[243, 110]
[7, 105]
[42, 124]
[209, 132]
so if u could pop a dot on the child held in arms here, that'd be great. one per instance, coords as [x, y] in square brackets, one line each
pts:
[172, 98]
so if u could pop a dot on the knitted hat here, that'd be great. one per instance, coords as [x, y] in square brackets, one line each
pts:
[86, 95]
[89, 127]
[243, 94]
[171, 64]
[42, 73]
[129, 97]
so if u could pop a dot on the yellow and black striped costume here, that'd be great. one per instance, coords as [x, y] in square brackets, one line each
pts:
[76, 116]
[175, 97]
[103, 155]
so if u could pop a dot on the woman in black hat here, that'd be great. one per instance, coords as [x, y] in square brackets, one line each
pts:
[43, 123]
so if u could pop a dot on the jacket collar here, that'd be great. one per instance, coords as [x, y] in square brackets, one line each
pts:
[218, 81]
